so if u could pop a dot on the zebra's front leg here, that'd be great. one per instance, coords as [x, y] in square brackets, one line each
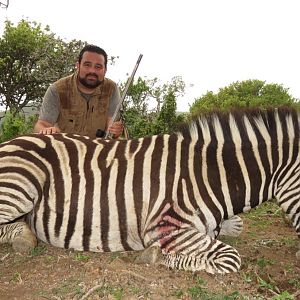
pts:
[18, 235]
[231, 227]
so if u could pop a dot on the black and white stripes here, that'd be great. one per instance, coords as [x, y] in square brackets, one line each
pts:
[178, 191]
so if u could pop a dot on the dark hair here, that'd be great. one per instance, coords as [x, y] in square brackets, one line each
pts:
[95, 49]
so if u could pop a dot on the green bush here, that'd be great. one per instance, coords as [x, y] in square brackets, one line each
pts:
[15, 124]
[248, 93]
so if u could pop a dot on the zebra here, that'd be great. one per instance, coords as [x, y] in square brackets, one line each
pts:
[173, 192]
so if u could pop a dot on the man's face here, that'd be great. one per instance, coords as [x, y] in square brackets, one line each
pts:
[91, 70]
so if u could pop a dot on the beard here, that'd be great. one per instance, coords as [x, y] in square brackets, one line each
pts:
[91, 84]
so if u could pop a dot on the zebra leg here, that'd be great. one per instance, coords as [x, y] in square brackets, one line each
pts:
[13, 206]
[232, 227]
[18, 235]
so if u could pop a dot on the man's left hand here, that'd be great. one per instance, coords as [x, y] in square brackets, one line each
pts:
[116, 129]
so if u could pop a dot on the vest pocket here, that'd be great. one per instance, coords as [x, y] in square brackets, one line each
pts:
[102, 107]
[72, 122]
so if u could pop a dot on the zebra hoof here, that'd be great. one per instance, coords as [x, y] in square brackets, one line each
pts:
[24, 242]
[232, 227]
[151, 256]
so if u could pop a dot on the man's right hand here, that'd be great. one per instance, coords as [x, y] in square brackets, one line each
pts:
[44, 127]
[49, 130]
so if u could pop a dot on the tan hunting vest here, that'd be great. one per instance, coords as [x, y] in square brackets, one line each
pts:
[77, 115]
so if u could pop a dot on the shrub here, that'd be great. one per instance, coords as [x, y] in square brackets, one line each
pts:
[15, 124]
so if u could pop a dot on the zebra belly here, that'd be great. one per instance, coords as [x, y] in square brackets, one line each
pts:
[78, 240]
[94, 245]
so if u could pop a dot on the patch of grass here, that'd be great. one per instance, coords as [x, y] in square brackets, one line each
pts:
[259, 223]
[50, 259]
[283, 296]
[16, 278]
[247, 277]
[253, 234]
[105, 290]
[199, 291]
[270, 285]
[79, 256]
[36, 251]
[233, 296]
[139, 292]
[68, 286]
[267, 243]
[118, 293]
[263, 262]
[178, 293]
[267, 285]
[289, 268]
[285, 241]
[288, 241]
[230, 240]
[114, 255]
[295, 283]
[268, 208]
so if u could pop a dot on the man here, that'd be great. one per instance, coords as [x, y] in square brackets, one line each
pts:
[83, 102]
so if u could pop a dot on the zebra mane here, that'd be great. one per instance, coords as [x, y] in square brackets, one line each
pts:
[215, 119]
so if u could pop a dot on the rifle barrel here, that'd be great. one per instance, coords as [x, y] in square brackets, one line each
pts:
[129, 81]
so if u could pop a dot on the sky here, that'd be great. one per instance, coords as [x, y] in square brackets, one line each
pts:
[209, 43]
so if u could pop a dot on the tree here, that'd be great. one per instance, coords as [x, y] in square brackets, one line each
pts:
[31, 58]
[249, 93]
[150, 107]
[168, 120]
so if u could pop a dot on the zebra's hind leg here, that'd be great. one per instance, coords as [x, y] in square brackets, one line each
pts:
[195, 251]
[18, 235]
[232, 227]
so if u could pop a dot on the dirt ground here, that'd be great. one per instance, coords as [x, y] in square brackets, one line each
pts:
[269, 270]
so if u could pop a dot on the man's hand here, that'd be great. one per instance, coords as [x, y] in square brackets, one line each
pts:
[49, 130]
[116, 129]
[44, 127]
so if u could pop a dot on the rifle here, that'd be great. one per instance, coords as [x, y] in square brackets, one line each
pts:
[101, 133]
